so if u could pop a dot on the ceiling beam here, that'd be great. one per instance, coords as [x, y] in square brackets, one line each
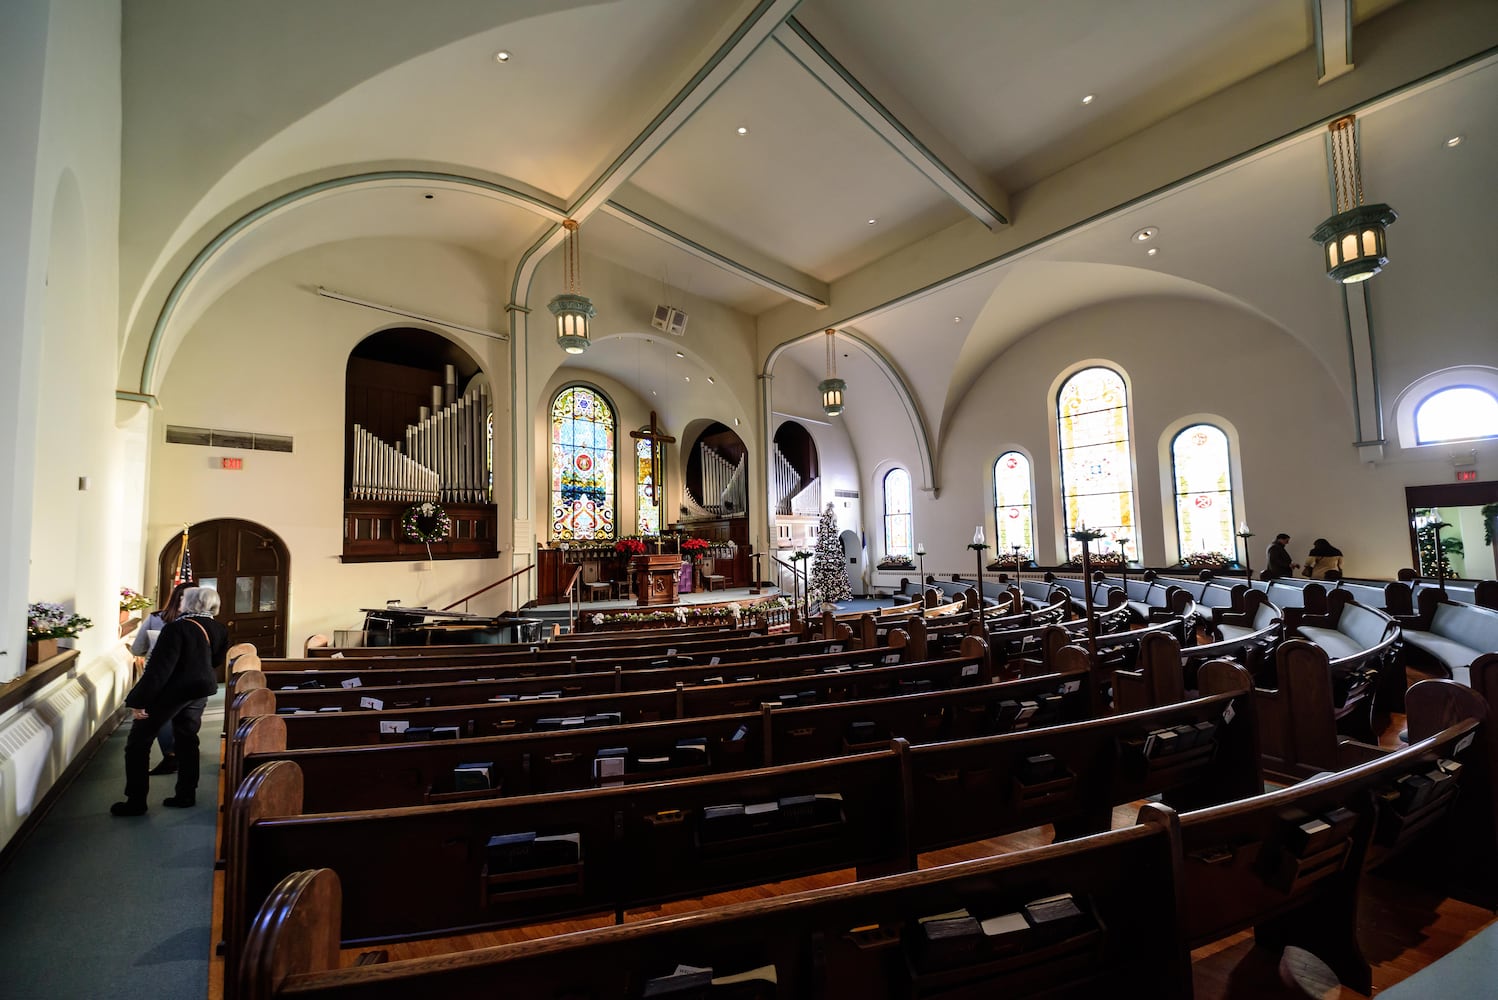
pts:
[1332, 21]
[897, 123]
[650, 215]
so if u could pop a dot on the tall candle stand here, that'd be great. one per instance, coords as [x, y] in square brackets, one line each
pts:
[1248, 562]
[1084, 535]
[920, 554]
[1015, 549]
[979, 547]
[1123, 563]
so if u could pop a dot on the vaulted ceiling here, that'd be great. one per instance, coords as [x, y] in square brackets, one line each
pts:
[828, 162]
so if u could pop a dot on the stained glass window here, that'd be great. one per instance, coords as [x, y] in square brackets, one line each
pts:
[1013, 509]
[897, 506]
[1097, 480]
[1459, 413]
[1204, 490]
[582, 465]
[648, 504]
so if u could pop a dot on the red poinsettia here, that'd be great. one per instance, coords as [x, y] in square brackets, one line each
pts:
[694, 546]
[629, 547]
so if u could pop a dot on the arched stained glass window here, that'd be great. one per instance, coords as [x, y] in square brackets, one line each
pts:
[1097, 480]
[582, 465]
[1203, 477]
[1459, 413]
[897, 505]
[648, 503]
[1013, 509]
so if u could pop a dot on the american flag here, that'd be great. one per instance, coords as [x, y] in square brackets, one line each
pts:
[184, 565]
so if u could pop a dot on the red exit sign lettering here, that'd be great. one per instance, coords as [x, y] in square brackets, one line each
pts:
[232, 463]
[1466, 475]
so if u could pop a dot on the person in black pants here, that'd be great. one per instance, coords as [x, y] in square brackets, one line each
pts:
[174, 690]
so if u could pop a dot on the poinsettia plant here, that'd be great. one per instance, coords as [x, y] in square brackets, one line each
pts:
[694, 547]
[630, 547]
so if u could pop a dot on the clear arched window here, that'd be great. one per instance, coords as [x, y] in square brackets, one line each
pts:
[582, 465]
[1097, 481]
[648, 500]
[1013, 509]
[1202, 473]
[1459, 413]
[897, 506]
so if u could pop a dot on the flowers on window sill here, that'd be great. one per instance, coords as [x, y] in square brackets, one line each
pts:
[1099, 560]
[133, 600]
[1207, 560]
[1008, 562]
[45, 620]
[896, 562]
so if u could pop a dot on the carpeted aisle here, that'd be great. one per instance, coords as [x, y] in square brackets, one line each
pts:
[99, 906]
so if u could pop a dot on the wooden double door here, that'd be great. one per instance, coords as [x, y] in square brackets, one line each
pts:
[248, 565]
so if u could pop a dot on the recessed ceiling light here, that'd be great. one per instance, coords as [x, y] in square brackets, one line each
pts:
[686, 378]
[956, 319]
[743, 130]
[1145, 235]
[428, 196]
[1152, 251]
[711, 380]
[872, 221]
[652, 392]
[1454, 141]
[1088, 99]
[502, 56]
[735, 421]
[680, 355]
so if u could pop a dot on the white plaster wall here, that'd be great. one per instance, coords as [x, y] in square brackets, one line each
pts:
[270, 356]
[1182, 357]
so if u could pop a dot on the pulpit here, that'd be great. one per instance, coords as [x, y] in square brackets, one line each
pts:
[655, 578]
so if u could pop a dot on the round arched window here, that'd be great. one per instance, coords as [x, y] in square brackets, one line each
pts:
[1456, 414]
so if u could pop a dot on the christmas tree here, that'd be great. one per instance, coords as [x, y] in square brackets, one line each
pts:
[829, 567]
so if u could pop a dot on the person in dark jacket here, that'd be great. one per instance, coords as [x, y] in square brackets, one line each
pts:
[1278, 558]
[145, 641]
[174, 690]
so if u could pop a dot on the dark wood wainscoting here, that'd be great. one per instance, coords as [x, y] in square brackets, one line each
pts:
[371, 532]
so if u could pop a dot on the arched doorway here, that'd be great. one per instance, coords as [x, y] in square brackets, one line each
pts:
[250, 567]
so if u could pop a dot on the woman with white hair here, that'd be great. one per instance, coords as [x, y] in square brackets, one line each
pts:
[174, 690]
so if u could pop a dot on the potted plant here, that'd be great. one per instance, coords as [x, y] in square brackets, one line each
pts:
[45, 624]
[896, 562]
[130, 602]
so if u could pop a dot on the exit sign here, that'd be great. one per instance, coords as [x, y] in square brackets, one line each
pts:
[1466, 475]
[232, 463]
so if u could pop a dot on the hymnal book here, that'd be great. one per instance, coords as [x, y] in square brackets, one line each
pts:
[837, 668]
[788, 698]
[866, 732]
[654, 762]
[286, 711]
[388, 726]
[712, 680]
[610, 764]
[375, 704]
[798, 810]
[1414, 791]
[1007, 713]
[352, 682]
[603, 719]
[1442, 781]
[288, 687]
[1310, 836]
[445, 733]
[473, 777]
[907, 687]
[761, 816]
[1160, 742]
[548, 723]
[330, 708]
[417, 734]
[1205, 732]
[1185, 736]
[1026, 710]
[1037, 768]
[722, 822]
[557, 849]
[510, 851]
[691, 751]
[503, 697]
[1341, 821]
[1005, 932]
[948, 938]
[714, 661]
[1056, 917]
[685, 981]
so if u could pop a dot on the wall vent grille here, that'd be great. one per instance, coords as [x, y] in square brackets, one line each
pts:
[209, 438]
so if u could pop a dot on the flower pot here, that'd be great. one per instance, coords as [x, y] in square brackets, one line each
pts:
[40, 649]
[124, 616]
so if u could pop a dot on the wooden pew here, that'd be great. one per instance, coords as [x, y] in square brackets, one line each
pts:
[646, 843]
[1249, 864]
[847, 941]
[371, 777]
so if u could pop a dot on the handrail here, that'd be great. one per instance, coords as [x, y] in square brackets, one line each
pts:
[571, 593]
[462, 600]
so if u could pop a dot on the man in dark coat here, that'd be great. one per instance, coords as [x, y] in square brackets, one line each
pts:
[174, 690]
[1280, 563]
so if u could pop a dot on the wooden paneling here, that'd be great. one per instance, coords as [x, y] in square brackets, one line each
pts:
[371, 533]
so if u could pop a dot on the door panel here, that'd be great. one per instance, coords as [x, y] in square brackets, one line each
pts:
[248, 565]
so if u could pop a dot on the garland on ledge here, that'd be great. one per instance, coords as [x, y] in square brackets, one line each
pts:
[426, 522]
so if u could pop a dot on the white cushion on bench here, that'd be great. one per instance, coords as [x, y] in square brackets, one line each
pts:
[1450, 652]
[1362, 625]
[1336, 644]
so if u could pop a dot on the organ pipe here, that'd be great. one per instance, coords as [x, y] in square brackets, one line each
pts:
[442, 458]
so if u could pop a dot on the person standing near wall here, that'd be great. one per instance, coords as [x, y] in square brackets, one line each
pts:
[1278, 558]
[1323, 560]
[179, 677]
[142, 647]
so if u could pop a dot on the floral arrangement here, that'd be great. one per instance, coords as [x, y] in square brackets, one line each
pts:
[897, 562]
[1086, 534]
[1206, 560]
[45, 620]
[1009, 560]
[426, 522]
[686, 615]
[695, 547]
[629, 547]
[133, 600]
[1099, 560]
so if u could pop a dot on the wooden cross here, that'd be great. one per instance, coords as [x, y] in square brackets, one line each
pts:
[657, 436]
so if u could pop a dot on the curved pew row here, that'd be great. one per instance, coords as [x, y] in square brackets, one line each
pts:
[339, 779]
[491, 719]
[1287, 863]
[648, 843]
[864, 940]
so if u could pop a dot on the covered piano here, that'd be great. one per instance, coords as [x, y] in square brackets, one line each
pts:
[395, 625]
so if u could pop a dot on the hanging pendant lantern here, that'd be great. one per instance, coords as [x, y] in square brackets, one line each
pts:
[571, 308]
[1353, 240]
[832, 387]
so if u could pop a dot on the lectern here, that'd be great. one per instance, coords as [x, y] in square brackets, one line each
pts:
[655, 578]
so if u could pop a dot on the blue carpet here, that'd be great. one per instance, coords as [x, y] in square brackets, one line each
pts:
[1469, 971]
[99, 906]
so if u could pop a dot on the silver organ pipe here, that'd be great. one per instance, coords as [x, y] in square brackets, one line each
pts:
[787, 482]
[443, 457]
[725, 487]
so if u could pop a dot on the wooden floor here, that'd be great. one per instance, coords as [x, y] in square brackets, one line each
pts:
[1403, 928]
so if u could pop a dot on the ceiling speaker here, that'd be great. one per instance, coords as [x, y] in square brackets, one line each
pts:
[673, 321]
